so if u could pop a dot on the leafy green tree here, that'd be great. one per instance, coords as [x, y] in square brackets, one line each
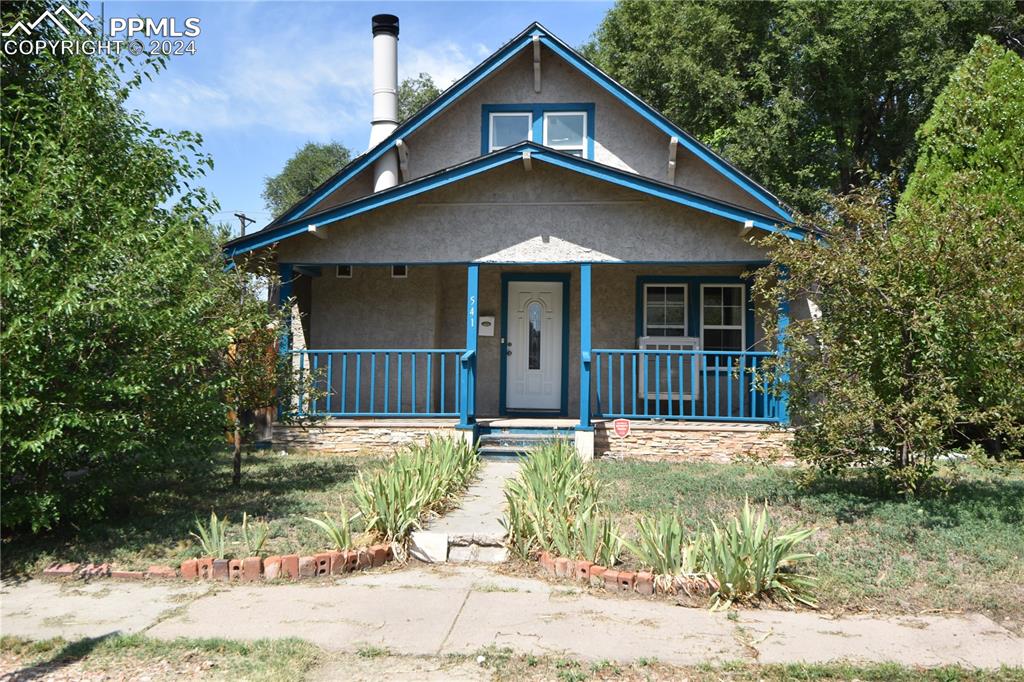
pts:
[918, 347]
[809, 97]
[303, 173]
[117, 310]
[920, 344]
[976, 128]
[414, 94]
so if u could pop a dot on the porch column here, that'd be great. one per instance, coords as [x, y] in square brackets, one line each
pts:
[467, 368]
[286, 274]
[780, 347]
[585, 346]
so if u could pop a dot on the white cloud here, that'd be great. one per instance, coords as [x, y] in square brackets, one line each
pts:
[444, 61]
[289, 84]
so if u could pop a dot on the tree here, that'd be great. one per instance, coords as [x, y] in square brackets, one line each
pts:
[920, 344]
[976, 128]
[918, 347]
[255, 374]
[117, 310]
[303, 173]
[414, 94]
[809, 97]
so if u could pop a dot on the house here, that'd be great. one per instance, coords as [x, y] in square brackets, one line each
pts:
[535, 251]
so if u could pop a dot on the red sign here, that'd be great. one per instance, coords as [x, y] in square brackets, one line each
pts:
[621, 427]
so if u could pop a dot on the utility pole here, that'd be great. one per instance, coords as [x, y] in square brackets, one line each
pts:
[244, 220]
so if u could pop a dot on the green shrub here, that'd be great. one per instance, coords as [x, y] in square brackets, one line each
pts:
[339, 533]
[598, 539]
[418, 481]
[212, 537]
[255, 536]
[554, 489]
[117, 309]
[748, 558]
[664, 546]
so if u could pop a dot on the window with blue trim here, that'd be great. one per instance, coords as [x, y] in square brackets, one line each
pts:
[568, 128]
[664, 310]
[722, 316]
[566, 131]
[509, 128]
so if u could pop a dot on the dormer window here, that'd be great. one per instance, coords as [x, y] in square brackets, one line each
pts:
[566, 131]
[508, 129]
[567, 127]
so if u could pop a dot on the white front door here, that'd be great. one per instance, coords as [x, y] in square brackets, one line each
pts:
[534, 346]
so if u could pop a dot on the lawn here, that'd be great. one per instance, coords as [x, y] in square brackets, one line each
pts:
[962, 550]
[139, 657]
[152, 525]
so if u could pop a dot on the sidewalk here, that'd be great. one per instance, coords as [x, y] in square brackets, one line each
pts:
[437, 610]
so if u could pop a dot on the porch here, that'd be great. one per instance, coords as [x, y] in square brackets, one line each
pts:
[468, 346]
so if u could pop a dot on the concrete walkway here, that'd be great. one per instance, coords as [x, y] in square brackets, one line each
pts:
[473, 532]
[432, 610]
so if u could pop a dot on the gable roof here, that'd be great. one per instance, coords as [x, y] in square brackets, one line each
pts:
[516, 153]
[493, 63]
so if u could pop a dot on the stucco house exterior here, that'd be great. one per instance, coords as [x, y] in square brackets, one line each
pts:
[535, 251]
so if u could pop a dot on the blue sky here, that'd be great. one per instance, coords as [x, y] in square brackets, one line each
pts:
[269, 76]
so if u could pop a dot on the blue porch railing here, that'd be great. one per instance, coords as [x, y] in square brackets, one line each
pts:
[684, 384]
[382, 382]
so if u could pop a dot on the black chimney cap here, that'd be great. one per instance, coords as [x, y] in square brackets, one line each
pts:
[385, 23]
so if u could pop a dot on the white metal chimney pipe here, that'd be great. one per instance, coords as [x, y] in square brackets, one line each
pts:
[385, 97]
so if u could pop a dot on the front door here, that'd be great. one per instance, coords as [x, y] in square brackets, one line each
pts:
[534, 346]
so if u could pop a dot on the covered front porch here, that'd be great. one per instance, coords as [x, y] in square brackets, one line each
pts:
[470, 345]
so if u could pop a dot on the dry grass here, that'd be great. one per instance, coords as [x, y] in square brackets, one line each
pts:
[140, 658]
[962, 550]
[152, 526]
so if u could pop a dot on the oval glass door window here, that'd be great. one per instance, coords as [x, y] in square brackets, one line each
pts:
[534, 312]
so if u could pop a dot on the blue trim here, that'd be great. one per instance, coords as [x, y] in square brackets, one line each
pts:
[500, 158]
[585, 345]
[492, 64]
[693, 308]
[748, 263]
[537, 112]
[284, 292]
[467, 369]
[565, 279]
[484, 69]
[780, 349]
[659, 121]
[286, 274]
[424, 401]
[763, 406]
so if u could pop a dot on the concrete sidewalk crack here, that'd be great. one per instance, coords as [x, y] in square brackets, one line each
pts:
[178, 610]
[454, 621]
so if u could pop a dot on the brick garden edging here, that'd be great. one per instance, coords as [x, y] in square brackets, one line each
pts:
[641, 582]
[251, 569]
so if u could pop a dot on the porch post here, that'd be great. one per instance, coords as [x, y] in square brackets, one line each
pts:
[467, 368]
[284, 292]
[780, 347]
[286, 275]
[585, 346]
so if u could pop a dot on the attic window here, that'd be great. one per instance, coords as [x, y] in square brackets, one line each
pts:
[344, 272]
[399, 271]
[508, 129]
[566, 131]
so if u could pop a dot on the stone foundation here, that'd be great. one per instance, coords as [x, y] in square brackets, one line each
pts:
[694, 442]
[653, 441]
[348, 436]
